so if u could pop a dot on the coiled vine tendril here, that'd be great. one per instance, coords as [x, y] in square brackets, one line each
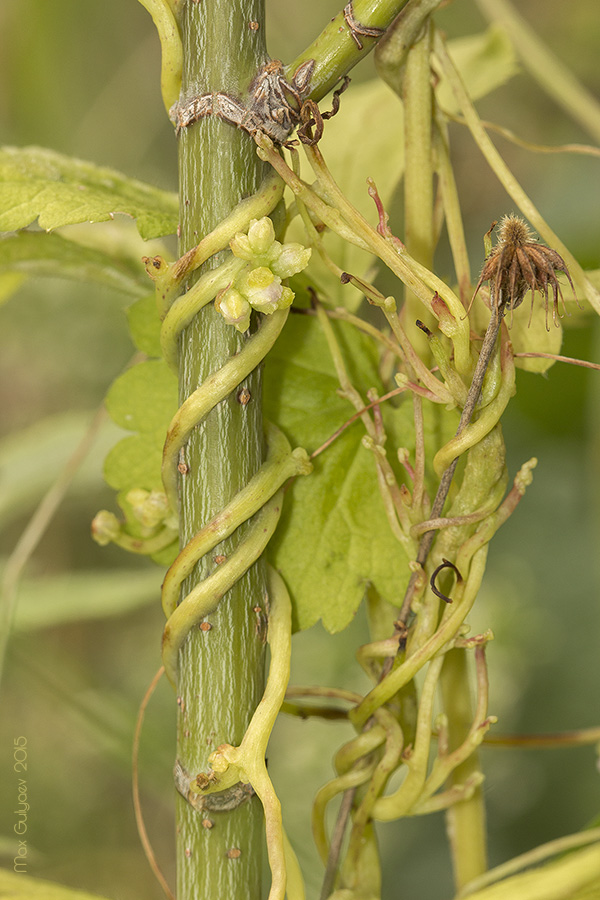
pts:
[250, 277]
[391, 732]
[253, 271]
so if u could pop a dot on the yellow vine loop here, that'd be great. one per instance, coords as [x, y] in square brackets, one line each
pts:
[171, 49]
[247, 763]
[259, 503]
[370, 757]
[216, 387]
[487, 419]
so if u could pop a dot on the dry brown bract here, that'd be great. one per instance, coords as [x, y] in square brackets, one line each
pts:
[518, 264]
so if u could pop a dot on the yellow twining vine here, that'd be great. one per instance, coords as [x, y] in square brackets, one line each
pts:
[247, 763]
[164, 18]
[253, 277]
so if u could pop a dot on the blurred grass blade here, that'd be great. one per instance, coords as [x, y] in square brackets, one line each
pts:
[78, 596]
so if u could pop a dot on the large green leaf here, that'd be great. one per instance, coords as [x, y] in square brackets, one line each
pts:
[143, 400]
[59, 190]
[334, 537]
[144, 325]
[365, 139]
[51, 255]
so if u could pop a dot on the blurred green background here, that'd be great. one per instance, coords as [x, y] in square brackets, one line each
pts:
[83, 79]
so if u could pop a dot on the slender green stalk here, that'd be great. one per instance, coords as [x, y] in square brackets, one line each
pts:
[452, 213]
[418, 179]
[163, 16]
[392, 51]
[533, 857]
[220, 671]
[548, 69]
[506, 177]
[466, 818]
[35, 530]
[573, 875]
[336, 51]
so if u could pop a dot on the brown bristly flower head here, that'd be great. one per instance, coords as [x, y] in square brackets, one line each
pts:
[518, 263]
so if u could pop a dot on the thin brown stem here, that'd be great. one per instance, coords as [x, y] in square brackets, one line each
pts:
[487, 348]
[577, 738]
[36, 528]
[336, 843]
[135, 788]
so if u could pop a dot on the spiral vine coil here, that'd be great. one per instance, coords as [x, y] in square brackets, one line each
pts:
[261, 499]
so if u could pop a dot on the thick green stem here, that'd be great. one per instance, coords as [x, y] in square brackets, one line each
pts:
[466, 818]
[220, 670]
[418, 178]
[336, 51]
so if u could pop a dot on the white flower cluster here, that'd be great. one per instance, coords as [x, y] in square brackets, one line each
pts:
[259, 285]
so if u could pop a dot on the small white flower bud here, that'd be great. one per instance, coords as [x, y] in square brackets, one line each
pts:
[292, 259]
[261, 235]
[261, 288]
[234, 308]
[105, 527]
[149, 507]
[240, 247]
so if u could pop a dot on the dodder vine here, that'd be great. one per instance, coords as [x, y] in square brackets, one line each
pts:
[448, 546]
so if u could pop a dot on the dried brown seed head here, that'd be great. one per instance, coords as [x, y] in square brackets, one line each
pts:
[514, 230]
[518, 263]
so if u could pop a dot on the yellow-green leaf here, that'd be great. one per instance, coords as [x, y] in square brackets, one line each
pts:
[51, 255]
[334, 536]
[41, 184]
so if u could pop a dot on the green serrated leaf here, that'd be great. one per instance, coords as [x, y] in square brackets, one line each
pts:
[51, 255]
[334, 537]
[59, 190]
[144, 325]
[143, 399]
[485, 61]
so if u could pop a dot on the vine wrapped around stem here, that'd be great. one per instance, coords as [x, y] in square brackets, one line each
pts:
[248, 274]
